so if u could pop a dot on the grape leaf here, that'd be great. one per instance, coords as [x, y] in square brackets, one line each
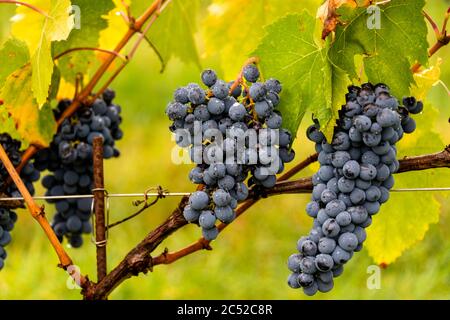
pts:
[289, 53]
[243, 22]
[65, 90]
[117, 27]
[388, 52]
[38, 31]
[34, 125]
[16, 53]
[174, 30]
[400, 225]
[88, 25]
[425, 80]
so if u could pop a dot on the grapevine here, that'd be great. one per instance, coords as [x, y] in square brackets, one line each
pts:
[225, 115]
[60, 57]
[354, 179]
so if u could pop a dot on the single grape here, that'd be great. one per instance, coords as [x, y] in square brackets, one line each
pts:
[251, 73]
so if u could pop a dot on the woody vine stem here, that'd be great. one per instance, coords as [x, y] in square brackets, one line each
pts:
[139, 259]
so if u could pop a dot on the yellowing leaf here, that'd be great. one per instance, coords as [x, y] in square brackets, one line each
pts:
[34, 125]
[66, 90]
[86, 34]
[15, 52]
[117, 27]
[425, 80]
[38, 31]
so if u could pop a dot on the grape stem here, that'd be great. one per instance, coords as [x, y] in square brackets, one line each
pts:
[433, 24]
[442, 37]
[139, 260]
[142, 36]
[89, 49]
[135, 26]
[28, 5]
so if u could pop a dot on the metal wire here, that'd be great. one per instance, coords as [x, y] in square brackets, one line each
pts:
[420, 189]
[102, 243]
[176, 194]
[111, 195]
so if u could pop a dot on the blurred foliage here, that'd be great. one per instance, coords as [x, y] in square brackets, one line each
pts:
[248, 260]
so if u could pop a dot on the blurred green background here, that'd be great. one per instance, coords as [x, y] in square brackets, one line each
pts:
[248, 260]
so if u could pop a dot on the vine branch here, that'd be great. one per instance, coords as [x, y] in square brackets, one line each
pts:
[111, 52]
[36, 211]
[139, 260]
[99, 208]
[304, 185]
[38, 214]
[135, 27]
[442, 38]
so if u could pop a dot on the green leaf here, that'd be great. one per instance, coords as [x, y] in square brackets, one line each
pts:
[234, 28]
[406, 217]
[38, 31]
[91, 22]
[33, 125]
[335, 87]
[174, 30]
[15, 52]
[388, 52]
[42, 64]
[289, 53]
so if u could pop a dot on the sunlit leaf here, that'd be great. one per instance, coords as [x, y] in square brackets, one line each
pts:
[425, 80]
[89, 21]
[389, 51]
[117, 27]
[233, 28]
[38, 31]
[289, 53]
[174, 30]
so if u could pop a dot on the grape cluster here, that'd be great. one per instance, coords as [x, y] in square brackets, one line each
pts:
[231, 110]
[69, 160]
[28, 174]
[354, 179]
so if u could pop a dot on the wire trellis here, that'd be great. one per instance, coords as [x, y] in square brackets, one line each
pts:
[109, 195]
[177, 194]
